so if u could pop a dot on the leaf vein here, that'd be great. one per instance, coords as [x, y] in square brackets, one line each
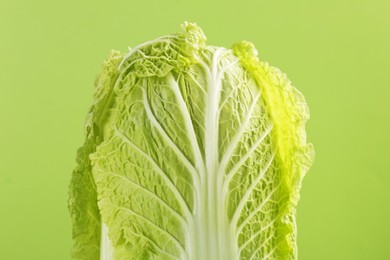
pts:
[243, 159]
[166, 232]
[164, 134]
[165, 177]
[249, 191]
[237, 137]
[164, 203]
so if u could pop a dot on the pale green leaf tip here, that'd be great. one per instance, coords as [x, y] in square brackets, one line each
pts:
[179, 51]
[246, 51]
[194, 34]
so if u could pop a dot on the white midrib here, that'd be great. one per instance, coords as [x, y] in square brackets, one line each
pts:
[211, 227]
[106, 248]
[209, 202]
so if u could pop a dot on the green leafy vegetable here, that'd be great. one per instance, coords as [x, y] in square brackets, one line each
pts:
[191, 152]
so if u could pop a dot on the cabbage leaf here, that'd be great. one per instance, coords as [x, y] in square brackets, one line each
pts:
[192, 152]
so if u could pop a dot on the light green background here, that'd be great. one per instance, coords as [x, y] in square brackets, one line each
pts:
[335, 52]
